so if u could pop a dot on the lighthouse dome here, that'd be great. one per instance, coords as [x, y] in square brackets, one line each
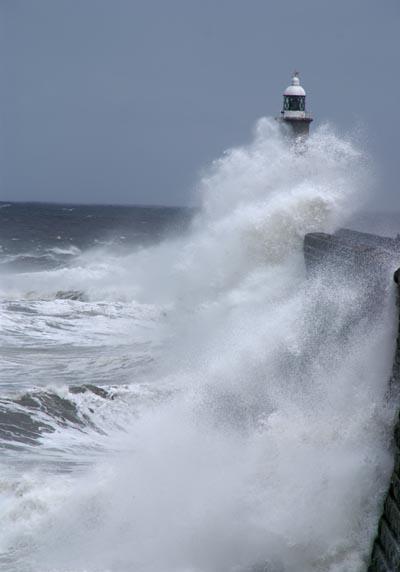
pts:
[295, 88]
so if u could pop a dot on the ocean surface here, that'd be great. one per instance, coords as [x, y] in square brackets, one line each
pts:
[176, 395]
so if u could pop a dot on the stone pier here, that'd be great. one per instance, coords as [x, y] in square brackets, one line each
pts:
[371, 259]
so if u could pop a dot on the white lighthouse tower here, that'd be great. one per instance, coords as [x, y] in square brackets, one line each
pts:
[294, 108]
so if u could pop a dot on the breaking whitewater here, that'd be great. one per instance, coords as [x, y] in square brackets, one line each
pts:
[176, 394]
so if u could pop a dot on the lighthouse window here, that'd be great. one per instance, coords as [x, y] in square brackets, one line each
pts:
[294, 103]
[286, 103]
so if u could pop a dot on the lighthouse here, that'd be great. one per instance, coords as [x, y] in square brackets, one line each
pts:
[294, 108]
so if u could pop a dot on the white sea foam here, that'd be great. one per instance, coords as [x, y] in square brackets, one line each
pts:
[271, 448]
[71, 250]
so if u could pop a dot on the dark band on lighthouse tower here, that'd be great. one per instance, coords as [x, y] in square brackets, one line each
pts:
[294, 108]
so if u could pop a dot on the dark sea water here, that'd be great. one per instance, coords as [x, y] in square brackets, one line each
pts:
[42, 236]
[176, 394]
[51, 258]
[71, 344]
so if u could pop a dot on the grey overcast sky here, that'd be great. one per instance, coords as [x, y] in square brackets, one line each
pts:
[125, 101]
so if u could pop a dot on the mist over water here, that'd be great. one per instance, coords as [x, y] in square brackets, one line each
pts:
[245, 426]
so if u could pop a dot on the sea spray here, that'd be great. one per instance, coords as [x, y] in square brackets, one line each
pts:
[268, 448]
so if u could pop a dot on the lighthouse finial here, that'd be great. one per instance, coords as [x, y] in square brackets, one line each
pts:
[295, 78]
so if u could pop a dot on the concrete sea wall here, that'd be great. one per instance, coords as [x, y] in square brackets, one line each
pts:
[372, 259]
[385, 555]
